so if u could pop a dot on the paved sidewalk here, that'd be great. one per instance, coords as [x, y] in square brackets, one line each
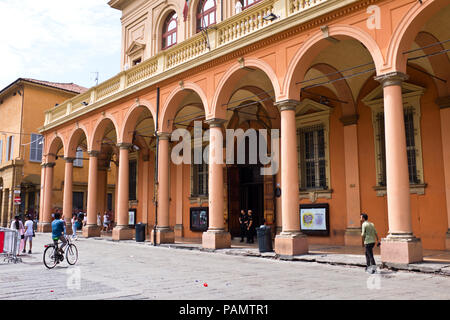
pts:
[435, 261]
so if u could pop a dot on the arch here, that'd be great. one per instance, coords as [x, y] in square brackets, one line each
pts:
[74, 138]
[131, 118]
[99, 131]
[316, 43]
[55, 143]
[158, 26]
[225, 87]
[173, 101]
[406, 32]
[439, 63]
[342, 87]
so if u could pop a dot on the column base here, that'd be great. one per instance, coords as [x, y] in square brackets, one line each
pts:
[91, 230]
[291, 244]
[163, 235]
[123, 233]
[178, 231]
[352, 237]
[447, 240]
[45, 227]
[401, 249]
[216, 239]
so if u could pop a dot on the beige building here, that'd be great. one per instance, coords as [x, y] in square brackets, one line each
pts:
[22, 106]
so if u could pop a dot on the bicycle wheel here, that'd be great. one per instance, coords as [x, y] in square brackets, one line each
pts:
[50, 259]
[71, 254]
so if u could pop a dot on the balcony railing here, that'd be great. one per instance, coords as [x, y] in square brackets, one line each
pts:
[220, 36]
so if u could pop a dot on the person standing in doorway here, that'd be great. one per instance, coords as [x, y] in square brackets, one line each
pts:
[74, 225]
[369, 234]
[243, 224]
[250, 227]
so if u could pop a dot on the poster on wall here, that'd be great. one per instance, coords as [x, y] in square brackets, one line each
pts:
[132, 217]
[199, 219]
[314, 219]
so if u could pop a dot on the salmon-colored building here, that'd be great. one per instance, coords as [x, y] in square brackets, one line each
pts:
[22, 107]
[358, 89]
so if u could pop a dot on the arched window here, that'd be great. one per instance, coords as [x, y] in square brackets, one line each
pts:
[248, 3]
[169, 36]
[206, 14]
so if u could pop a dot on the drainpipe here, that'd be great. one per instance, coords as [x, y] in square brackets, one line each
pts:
[156, 166]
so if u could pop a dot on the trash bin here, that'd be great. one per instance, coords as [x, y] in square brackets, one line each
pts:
[264, 239]
[140, 232]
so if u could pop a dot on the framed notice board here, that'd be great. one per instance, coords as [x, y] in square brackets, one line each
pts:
[199, 219]
[315, 219]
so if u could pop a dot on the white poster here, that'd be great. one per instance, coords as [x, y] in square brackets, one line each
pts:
[313, 219]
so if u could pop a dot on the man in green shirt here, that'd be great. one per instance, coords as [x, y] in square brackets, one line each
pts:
[369, 235]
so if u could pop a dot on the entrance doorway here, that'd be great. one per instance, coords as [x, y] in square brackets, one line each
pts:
[245, 192]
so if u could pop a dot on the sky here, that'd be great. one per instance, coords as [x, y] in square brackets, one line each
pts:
[59, 41]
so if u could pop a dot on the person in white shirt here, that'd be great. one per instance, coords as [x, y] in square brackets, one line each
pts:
[17, 224]
[105, 222]
[29, 232]
[74, 226]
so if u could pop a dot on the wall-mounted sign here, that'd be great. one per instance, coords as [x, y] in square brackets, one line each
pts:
[199, 219]
[315, 219]
[132, 217]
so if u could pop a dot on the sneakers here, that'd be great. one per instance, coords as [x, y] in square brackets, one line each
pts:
[29, 251]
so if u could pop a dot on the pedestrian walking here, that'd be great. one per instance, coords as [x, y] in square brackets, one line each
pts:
[250, 227]
[243, 224]
[99, 220]
[370, 237]
[105, 222]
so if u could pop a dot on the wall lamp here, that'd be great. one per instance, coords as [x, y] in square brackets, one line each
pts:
[270, 17]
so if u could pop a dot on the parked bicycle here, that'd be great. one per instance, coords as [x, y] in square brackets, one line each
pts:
[53, 255]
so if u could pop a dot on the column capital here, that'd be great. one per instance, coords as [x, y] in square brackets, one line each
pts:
[48, 165]
[349, 120]
[286, 105]
[93, 153]
[163, 135]
[124, 145]
[215, 122]
[443, 102]
[392, 79]
[69, 159]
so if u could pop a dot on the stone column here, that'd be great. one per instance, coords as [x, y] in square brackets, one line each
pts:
[179, 202]
[353, 232]
[4, 207]
[122, 231]
[68, 195]
[216, 237]
[41, 193]
[291, 241]
[400, 246]
[444, 105]
[45, 222]
[92, 229]
[163, 232]
[279, 214]
[145, 185]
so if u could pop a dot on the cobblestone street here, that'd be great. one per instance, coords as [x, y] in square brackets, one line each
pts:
[129, 270]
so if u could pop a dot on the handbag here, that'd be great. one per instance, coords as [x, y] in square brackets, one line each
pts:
[22, 236]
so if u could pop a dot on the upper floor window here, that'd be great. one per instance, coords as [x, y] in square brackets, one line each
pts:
[78, 162]
[248, 3]
[169, 36]
[36, 147]
[206, 14]
[10, 148]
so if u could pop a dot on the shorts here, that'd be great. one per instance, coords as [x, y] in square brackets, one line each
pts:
[28, 237]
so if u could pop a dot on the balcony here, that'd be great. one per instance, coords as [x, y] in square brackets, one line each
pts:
[247, 27]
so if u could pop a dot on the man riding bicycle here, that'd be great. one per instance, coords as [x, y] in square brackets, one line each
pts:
[59, 231]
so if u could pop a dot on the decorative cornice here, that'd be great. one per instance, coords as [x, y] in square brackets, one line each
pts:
[48, 165]
[69, 160]
[163, 135]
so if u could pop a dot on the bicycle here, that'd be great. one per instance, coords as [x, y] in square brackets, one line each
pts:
[53, 256]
